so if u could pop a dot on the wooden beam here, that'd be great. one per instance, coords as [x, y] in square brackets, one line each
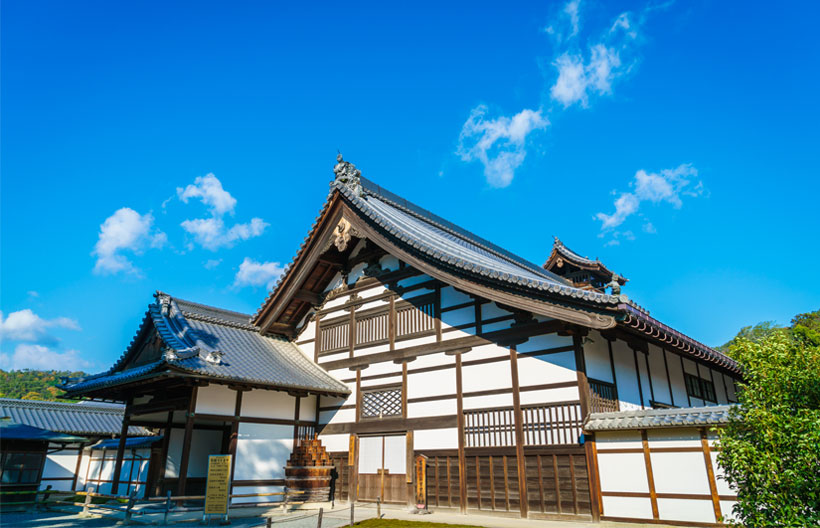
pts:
[710, 474]
[163, 457]
[312, 298]
[234, 439]
[650, 477]
[186, 443]
[519, 435]
[462, 459]
[120, 450]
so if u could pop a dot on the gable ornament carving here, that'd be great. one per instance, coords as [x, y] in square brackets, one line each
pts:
[342, 234]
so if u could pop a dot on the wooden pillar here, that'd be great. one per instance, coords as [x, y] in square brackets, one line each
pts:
[121, 448]
[523, 499]
[296, 420]
[234, 439]
[638, 375]
[462, 459]
[589, 446]
[77, 466]
[186, 442]
[710, 474]
[650, 477]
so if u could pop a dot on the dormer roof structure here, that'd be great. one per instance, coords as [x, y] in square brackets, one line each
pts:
[582, 272]
[179, 338]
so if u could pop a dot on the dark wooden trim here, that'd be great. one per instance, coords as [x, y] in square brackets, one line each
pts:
[296, 409]
[685, 387]
[176, 404]
[638, 375]
[262, 482]
[595, 479]
[682, 496]
[710, 474]
[462, 460]
[519, 435]
[358, 395]
[650, 477]
[186, 443]
[622, 450]
[437, 308]
[455, 307]
[404, 393]
[391, 425]
[491, 392]
[668, 378]
[163, 457]
[121, 449]
[649, 376]
[77, 466]
[234, 438]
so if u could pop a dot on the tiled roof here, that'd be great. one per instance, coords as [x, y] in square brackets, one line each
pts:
[131, 442]
[458, 249]
[656, 418]
[216, 343]
[11, 430]
[71, 418]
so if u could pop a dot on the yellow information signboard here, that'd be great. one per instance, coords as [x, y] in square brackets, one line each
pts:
[218, 486]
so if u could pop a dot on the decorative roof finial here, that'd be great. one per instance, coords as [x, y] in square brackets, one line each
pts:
[615, 284]
[348, 174]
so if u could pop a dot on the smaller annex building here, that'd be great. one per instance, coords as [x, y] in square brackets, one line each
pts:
[66, 446]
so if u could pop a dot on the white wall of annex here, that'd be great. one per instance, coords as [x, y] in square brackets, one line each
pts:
[216, 399]
[260, 403]
[59, 465]
[262, 450]
[429, 439]
[596, 357]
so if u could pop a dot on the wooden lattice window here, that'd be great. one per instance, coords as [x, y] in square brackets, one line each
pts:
[381, 403]
[603, 396]
[697, 387]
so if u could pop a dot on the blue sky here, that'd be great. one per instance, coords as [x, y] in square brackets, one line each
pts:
[677, 142]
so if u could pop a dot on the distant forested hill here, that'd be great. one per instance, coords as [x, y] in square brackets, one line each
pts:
[33, 384]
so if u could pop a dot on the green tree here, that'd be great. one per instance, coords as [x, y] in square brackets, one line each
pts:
[770, 449]
[754, 333]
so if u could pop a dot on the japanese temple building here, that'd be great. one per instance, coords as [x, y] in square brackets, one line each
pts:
[535, 391]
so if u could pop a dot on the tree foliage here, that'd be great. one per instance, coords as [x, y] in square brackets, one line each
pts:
[33, 384]
[770, 449]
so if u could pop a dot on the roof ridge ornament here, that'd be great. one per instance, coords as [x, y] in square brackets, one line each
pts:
[348, 175]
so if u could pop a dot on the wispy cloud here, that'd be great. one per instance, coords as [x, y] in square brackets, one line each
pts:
[498, 143]
[212, 263]
[254, 273]
[124, 231]
[667, 186]
[211, 233]
[25, 325]
[581, 72]
[39, 357]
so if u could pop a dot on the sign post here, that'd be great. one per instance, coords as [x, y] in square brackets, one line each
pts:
[421, 483]
[217, 488]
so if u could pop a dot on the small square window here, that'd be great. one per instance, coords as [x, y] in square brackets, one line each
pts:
[381, 403]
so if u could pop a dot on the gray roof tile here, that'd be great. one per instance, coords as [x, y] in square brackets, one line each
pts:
[657, 418]
[71, 418]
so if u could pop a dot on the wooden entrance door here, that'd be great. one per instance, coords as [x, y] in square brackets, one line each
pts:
[383, 468]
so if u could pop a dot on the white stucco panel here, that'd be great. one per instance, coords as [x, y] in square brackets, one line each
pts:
[262, 450]
[259, 403]
[216, 399]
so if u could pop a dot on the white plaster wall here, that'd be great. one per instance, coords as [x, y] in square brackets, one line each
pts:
[337, 417]
[59, 464]
[676, 375]
[543, 342]
[596, 357]
[673, 438]
[383, 367]
[174, 453]
[335, 442]
[494, 327]
[726, 509]
[83, 469]
[435, 408]
[262, 450]
[410, 281]
[634, 507]
[486, 376]
[647, 393]
[487, 351]
[459, 317]
[216, 399]
[481, 402]
[491, 311]
[407, 343]
[307, 408]
[377, 289]
[432, 360]
[660, 385]
[260, 403]
[622, 472]
[203, 444]
[451, 297]
[392, 380]
[433, 383]
[550, 395]
[428, 439]
[618, 439]
[624, 360]
[545, 369]
[686, 510]
[680, 473]
[240, 490]
[308, 332]
[308, 349]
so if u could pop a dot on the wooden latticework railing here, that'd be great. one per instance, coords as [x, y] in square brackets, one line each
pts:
[603, 397]
[544, 424]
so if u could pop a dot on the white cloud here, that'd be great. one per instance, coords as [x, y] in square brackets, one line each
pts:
[253, 273]
[569, 16]
[211, 233]
[666, 186]
[499, 144]
[25, 325]
[212, 263]
[125, 230]
[210, 192]
[39, 357]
